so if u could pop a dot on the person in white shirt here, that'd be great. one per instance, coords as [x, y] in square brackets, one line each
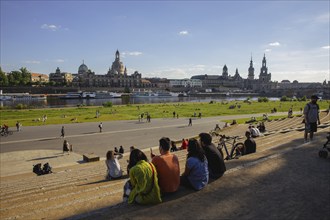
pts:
[112, 163]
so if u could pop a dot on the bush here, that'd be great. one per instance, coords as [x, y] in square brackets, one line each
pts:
[263, 99]
[21, 106]
[285, 99]
[107, 104]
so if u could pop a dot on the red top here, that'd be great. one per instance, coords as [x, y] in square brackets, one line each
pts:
[168, 170]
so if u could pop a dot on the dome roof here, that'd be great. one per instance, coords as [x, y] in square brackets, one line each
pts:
[83, 68]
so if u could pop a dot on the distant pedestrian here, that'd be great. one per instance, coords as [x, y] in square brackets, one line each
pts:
[177, 115]
[66, 146]
[311, 114]
[190, 122]
[62, 132]
[121, 150]
[100, 127]
[174, 114]
[18, 126]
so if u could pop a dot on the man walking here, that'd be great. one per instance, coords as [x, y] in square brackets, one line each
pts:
[190, 122]
[311, 114]
[62, 132]
[100, 127]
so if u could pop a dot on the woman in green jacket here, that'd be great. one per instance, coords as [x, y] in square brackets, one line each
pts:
[143, 180]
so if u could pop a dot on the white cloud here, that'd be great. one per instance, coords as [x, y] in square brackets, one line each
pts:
[133, 53]
[51, 27]
[32, 61]
[59, 61]
[274, 44]
[326, 47]
[268, 50]
[323, 18]
[183, 33]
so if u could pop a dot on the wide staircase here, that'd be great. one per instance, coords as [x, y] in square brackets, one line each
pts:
[81, 191]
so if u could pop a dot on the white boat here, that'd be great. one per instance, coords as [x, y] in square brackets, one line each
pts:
[151, 94]
[144, 94]
[107, 95]
[5, 97]
[79, 95]
[21, 96]
[88, 95]
[72, 95]
[166, 94]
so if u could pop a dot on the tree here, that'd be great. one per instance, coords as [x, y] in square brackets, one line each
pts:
[3, 78]
[26, 76]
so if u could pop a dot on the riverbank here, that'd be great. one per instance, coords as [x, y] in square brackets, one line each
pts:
[69, 115]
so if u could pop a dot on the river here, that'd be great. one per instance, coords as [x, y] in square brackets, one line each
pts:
[56, 102]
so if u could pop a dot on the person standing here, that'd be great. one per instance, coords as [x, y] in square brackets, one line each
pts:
[311, 117]
[216, 165]
[62, 132]
[17, 126]
[190, 122]
[167, 166]
[100, 127]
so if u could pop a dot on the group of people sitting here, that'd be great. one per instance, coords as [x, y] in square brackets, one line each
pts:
[257, 131]
[150, 181]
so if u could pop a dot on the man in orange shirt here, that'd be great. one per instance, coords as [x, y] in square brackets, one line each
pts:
[167, 166]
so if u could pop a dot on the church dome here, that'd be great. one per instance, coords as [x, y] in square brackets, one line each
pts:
[83, 68]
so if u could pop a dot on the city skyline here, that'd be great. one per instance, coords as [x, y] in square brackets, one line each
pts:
[173, 40]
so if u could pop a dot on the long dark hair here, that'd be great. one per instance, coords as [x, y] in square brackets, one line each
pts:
[135, 156]
[195, 149]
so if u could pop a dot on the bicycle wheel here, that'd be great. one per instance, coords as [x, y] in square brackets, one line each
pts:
[238, 150]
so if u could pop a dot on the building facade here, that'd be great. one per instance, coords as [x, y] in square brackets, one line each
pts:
[116, 76]
[61, 78]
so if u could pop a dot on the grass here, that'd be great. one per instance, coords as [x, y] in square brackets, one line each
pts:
[33, 117]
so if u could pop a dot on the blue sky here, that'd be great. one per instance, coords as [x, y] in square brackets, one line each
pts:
[168, 38]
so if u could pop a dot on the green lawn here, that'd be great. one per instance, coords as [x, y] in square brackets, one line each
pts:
[129, 112]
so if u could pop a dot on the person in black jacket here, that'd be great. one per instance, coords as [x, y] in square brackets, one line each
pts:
[249, 143]
[215, 160]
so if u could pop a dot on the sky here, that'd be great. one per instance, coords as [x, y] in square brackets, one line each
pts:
[168, 39]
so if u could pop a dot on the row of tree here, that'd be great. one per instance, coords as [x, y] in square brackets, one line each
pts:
[21, 77]
[14, 78]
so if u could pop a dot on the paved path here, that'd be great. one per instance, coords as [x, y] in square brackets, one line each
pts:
[40, 144]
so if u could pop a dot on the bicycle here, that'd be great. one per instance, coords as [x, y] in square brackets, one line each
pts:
[237, 149]
[5, 133]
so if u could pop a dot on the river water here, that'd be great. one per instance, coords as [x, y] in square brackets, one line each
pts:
[56, 102]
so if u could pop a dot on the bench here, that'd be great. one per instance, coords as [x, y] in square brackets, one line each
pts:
[90, 157]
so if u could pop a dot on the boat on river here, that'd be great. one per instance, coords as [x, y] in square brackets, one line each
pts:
[107, 95]
[79, 95]
[151, 94]
[21, 97]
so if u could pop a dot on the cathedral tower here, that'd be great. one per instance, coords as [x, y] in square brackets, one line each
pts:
[251, 70]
